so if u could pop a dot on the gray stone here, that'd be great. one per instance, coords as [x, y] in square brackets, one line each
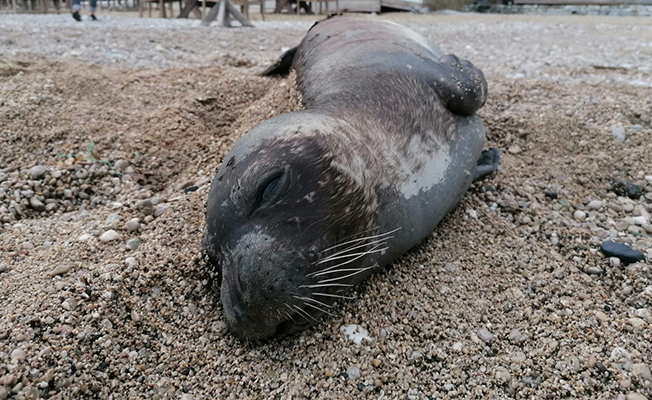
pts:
[353, 372]
[37, 172]
[161, 209]
[579, 215]
[109, 236]
[145, 207]
[133, 224]
[133, 244]
[485, 335]
[60, 270]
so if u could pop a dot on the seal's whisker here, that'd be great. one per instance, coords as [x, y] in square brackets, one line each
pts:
[332, 295]
[290, 316]
[345, 240]
[326, 285]
[361, 239]
[302, 312]
[375, 249]
[317, 308]
[338, 271]
[346, 276]
[309, 299]
[360, 246]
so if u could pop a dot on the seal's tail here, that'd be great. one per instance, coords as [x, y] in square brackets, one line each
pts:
[283, 66]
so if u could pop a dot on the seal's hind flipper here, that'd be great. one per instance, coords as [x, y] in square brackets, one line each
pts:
[283, 65]
[460, 85]
[487, 164]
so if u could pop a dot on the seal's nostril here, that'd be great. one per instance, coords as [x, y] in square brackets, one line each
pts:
[236, 296]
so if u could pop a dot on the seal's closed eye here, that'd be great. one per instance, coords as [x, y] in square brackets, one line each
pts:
[271, 188]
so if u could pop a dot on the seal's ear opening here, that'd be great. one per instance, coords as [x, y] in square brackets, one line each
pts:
[283, 65]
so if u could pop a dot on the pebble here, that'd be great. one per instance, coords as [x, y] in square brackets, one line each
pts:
[619, 133]
[375, 362]
[551, 194]
[624, 187]
[594, 270]
[641, 370]
[60, 270]
[37, 172]
[471, 213]
[133, 224]
[3, 268]
[485, 335]
[594, 205]
[81, 173]
[18, 355]
[601, 316]
[636, 322]
[145, 207]
[187, 396]
[109, 236]
[131, 262]
[623, 252]
[621, 226]
[518, 357]
[640, 220]
[161, 209]
[133, 244]
[27, 246]
[502, 374]
[579, 215]
[36, 204]
[353, 372]
[614, 261]
[635, 396]
[84, 237]
[515, 149]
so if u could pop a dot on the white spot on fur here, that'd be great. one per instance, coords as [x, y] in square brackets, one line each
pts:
[310, 197]
[433, 168]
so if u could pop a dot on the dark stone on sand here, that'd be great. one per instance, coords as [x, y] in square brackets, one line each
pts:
[551, 195]
[191, 189]
[625, 253]
[624, 187]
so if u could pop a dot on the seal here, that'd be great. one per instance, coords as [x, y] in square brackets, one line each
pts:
[307, 204]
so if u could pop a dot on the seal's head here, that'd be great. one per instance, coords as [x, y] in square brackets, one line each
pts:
[281, 213]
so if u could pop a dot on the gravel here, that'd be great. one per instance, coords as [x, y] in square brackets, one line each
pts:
[129, 112]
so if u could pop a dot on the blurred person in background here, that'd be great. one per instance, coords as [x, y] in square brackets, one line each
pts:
[76, 8]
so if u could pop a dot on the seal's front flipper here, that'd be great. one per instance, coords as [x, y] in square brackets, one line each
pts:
[487, 164]
[460, 85]
[283, 65]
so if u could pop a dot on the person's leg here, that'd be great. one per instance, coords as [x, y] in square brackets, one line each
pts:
[93, 8]
[76, 6]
